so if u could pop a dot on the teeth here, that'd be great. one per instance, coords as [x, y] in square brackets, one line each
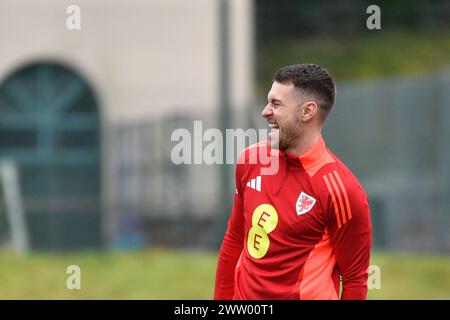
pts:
[273, 125]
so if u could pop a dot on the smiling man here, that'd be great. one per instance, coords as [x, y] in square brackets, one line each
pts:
[304, 231]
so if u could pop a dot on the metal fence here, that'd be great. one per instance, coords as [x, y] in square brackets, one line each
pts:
[395, 135]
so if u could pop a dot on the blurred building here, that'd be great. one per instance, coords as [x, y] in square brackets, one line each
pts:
[73, 103]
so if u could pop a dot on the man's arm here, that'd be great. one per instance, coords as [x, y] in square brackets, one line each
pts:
[231, 248]
[351, 235]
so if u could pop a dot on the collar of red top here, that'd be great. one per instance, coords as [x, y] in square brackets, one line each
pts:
[311, 158]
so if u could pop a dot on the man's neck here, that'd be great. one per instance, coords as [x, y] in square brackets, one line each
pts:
[305, 142]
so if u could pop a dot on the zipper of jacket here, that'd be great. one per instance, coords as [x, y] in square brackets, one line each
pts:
[285, 175]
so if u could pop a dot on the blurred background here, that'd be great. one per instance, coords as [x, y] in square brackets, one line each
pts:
[87, 115]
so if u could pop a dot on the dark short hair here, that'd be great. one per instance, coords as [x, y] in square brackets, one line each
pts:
[313, 80]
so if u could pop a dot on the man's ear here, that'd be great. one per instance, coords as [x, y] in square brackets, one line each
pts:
[309, 110]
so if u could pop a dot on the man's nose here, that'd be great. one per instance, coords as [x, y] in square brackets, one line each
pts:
[267, 111]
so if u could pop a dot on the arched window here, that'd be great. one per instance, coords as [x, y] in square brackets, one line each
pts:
[50, 126]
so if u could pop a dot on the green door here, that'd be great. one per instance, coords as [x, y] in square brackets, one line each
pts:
[49, 125]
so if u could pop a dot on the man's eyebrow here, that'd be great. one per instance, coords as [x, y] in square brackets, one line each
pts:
[275, 100]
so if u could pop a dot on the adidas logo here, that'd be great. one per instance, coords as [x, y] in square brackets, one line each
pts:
[255, 183]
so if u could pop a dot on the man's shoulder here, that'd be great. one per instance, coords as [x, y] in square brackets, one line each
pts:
[337, 176]
[255, 153]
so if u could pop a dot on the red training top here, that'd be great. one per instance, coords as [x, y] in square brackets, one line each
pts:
[293, 234]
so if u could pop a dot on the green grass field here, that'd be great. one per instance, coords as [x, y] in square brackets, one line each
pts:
[170, 274]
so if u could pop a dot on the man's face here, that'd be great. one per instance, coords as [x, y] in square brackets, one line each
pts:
[283, 115]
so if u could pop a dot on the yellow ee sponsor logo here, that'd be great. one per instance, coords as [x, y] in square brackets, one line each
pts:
[264, 221]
